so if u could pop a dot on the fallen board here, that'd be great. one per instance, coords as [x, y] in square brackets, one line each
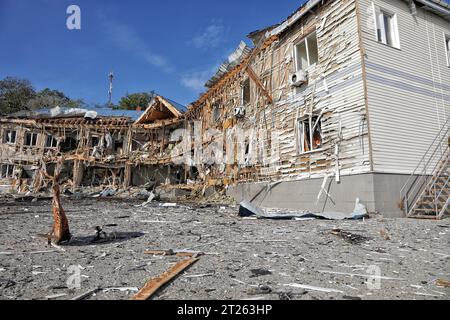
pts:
[155, 284]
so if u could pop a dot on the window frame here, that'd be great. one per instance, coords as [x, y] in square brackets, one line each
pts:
[31, 145]
[304, 124]
[7, 174]
[5, 139]
[243, 85]
[54, 142]
[380, 25]
[308, 57]
[447, 48]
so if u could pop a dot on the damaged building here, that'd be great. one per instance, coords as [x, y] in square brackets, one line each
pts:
[340, 101]
[96, 147]
[344, 100]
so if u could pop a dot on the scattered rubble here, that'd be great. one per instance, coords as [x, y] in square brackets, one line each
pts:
[240, 258]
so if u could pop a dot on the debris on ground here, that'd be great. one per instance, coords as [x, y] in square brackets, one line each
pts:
[302, 253]
[350, 237]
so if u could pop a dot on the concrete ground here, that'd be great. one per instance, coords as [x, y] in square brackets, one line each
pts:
[245, 258]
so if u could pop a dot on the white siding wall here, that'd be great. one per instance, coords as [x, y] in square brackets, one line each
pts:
[408, 88]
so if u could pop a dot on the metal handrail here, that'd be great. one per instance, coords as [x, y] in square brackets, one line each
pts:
[412, 183]
[426, 179]
[439, 136]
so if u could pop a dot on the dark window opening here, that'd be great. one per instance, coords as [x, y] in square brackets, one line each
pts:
[51, 142]
[69, 144]
[94, 141]
[246, 93]
[31, 139]
[9, 137]
[7, 170]
[118, 145]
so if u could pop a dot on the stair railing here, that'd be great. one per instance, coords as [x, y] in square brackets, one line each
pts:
[426, 169]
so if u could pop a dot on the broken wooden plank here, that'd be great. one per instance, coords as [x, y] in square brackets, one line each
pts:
[258, 83]
[55, 296]
[313, 288]
[443, 283]
[156, 283]
[86, 294]
[171, 253]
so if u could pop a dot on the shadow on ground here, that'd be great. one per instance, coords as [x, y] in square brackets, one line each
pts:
[112, 237]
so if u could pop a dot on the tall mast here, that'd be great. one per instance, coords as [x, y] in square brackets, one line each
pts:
[110, 77]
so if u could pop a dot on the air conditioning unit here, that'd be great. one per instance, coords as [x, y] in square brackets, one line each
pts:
[239, 112]
[298, 78]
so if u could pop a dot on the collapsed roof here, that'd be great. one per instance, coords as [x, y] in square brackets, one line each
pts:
[61, 112]
[161, 108]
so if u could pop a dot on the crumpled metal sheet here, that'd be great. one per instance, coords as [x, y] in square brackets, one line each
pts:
[247, 210]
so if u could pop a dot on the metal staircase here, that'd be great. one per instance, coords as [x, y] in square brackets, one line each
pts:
[426, 193]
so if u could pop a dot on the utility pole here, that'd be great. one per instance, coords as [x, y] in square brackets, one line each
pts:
[110, 77]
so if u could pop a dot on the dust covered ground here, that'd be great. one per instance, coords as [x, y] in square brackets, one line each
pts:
[245, 258]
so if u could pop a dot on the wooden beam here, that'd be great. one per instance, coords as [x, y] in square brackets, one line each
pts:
[156, 283]
[228, 76]
[258, 83]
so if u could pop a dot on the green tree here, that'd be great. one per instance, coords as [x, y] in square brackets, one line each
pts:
[135, 100]
[19, 94]
[48, 98]
[15, 94]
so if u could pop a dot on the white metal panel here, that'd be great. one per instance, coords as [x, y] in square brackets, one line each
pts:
[408, 88]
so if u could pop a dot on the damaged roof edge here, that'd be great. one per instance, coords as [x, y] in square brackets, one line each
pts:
[294, 18]
[438, 7]
[242, 51]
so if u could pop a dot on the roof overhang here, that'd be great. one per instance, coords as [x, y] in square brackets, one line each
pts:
[438, 7]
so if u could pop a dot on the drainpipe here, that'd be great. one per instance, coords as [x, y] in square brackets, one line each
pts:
[435, 6]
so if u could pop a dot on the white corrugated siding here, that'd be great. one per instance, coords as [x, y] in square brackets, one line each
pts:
[408, 89]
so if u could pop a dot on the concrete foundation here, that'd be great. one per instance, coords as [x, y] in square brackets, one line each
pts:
[379, 192]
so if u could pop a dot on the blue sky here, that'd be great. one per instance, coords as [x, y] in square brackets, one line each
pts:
[169, 46]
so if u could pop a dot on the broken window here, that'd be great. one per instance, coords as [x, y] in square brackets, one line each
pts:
[51, 142]
[245, 92]
[30, 139]
[9, 137]
[309, 134]
[69, 144]
[95, 141]
[7, 171]
[447, 47]
[307, 53]
[118, 145]
[387, 27]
